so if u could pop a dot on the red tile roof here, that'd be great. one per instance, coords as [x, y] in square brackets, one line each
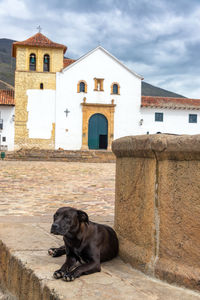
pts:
[37, 40]
[171, 103]
[67, 62]
[7, 97]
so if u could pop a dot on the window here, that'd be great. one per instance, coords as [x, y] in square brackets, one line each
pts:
[41, 86]
[4, 139]
[1, 122]
[32, 62]
[98, 84]
[82, 87]
[46, 63]
[192, 118]
[158, 117]
[115, 88]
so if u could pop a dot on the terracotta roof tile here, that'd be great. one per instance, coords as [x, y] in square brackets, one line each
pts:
[171, 103]
[37, 40]
[7, 97]
[67, 62]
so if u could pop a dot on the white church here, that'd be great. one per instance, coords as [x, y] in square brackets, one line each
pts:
[85, 103]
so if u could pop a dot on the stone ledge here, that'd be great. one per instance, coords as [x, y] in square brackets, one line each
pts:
[159, 146]
[36, 154]
[157, 211]
[26, 271]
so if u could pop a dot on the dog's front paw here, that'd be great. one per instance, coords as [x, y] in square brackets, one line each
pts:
[53, 252]
[58, 274]
[69, 276]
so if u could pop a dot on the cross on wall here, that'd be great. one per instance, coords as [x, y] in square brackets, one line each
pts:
[67, 112]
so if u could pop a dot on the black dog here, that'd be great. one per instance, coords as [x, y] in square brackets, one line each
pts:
[86, 243]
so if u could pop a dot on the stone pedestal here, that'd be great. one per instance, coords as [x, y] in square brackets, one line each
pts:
[157, 208]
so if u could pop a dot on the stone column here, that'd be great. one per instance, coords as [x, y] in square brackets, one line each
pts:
[157, 207]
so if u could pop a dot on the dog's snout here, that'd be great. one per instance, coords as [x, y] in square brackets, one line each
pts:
[54, 227]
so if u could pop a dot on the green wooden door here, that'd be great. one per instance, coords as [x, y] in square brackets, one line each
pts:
[98, 132]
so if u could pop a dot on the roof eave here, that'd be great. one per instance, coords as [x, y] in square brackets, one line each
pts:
[109, 54]
[17, 44]
[7, 104]
[170, 107]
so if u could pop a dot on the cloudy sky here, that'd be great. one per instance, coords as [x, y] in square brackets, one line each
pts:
[158, 39]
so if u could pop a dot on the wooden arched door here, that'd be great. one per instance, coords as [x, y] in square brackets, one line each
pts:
[98, 132]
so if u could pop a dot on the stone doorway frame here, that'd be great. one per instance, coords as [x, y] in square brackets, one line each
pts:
[90, 109]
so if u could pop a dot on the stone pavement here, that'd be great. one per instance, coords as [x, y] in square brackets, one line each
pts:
[39, 188]
[30, 192]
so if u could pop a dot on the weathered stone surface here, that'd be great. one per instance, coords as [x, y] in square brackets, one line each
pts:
[164, 146]
[134, 210]
[157, 212]
[37, 154]
[28, 273]
[179, 211]
[4, 295]
[33, 236]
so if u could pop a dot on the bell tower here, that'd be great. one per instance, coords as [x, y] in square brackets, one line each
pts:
[37, 61]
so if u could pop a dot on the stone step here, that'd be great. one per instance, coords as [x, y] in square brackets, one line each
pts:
[61, 155]
[26, 270]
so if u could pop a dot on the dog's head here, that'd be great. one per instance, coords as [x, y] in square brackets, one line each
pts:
[67, 221]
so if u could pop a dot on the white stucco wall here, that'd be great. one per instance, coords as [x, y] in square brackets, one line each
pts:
[41, 113]
[7, 114]
[96, 65]
[174, 121]
[48, 106]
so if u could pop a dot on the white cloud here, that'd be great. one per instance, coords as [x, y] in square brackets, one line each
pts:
[141, 68]
[14, 8]
[156, 39]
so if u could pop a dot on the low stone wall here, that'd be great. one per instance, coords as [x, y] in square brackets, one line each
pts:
[96, 156]
[157, 209]
[20, 280]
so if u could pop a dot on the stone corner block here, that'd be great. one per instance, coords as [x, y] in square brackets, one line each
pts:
[157, 205]
[163, 146]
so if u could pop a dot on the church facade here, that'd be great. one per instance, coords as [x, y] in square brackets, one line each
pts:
[85, 104]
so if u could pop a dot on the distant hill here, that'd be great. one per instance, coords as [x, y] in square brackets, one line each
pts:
[7, 70]
[7, 62]
[151, 90]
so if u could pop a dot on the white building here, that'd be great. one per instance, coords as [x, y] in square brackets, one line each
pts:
[7, 111]
[170, 115]
[98, 73]
[93, 100]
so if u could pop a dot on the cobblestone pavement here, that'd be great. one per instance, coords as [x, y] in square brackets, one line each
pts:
[39, 188]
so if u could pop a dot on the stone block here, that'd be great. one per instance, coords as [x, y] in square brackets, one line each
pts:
[157, 209]
[134, 210]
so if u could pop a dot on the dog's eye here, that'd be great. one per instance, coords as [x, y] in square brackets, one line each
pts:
[55, 216]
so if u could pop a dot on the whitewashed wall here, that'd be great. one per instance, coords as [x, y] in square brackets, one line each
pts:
[174, 121]
[41, 113]
[7, 114]
[98, 64]
[48, 106]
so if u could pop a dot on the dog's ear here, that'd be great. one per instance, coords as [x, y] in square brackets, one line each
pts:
[82, 216]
